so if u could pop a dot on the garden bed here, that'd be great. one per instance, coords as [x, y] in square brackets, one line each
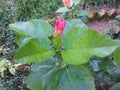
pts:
[102, 25]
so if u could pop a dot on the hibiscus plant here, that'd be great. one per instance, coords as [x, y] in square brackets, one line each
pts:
[58, 54]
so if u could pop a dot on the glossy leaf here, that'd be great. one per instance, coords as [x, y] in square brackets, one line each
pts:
[33, 51]
[117, 53]
[96, 64]
[81, 44]
[32, 38]
[103, 78]
[41, 74]
[74, 78]
[56, 78]
[74, 23]
[32, 29]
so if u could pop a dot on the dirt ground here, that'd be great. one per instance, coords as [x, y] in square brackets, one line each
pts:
[102, 25]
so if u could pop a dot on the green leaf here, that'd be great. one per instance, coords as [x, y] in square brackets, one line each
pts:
[57, 42]
[75, 2]
[103, 77]
[40, 75]
[117, 53]
[81, 12]
[33, 51]
[105, 64]
[115, 87]
[74, 23]
[84, 19]
[32, 29]
[81, 44]
[73, 78]
[32, 38]
[96, 63]
[63, 10]
[46, 76]
[113, 70]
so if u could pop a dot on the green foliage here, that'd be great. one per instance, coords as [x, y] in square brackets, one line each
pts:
[116, 36]
[52, 77]
[117, 53]
[105, 70]
[34, 9]
[7, 44]
[97, 3]
[33, 38]
[15, 82]
[63, 10]
[74, 11]
[7, 13]
[74, 23]
[116, 87]
[79, 50]
[7, 40]
[63, 69]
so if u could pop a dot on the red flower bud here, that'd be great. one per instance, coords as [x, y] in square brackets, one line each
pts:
[59, 27]
[68, 3]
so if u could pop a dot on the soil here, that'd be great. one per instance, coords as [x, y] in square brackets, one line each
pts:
[102, 25]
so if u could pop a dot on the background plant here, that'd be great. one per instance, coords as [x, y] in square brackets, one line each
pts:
[34, 9]
[97, 3]
[7, 40]
[76, 11]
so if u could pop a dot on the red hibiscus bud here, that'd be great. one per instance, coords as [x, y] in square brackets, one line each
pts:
[68, 3]
[59, 27]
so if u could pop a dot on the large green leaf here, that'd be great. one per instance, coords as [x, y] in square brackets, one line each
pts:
[115, 87]
[74, 23]
[40, 75]
[46, 76]
[32, 29]
[73, 78]
[117, 53]
[32, 38]
[81, 44]
[33, 51]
